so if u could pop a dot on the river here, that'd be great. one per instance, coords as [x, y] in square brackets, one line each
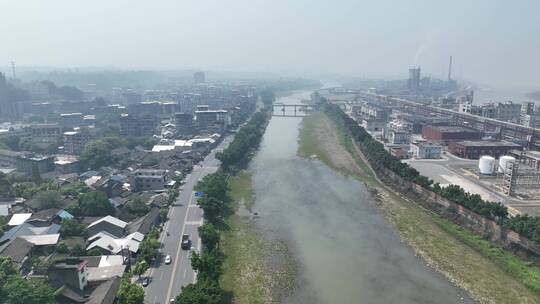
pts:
[348, 252]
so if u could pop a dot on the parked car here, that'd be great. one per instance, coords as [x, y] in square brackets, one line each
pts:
[168, 259]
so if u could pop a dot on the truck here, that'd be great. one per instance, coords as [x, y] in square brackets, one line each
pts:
[186, 242]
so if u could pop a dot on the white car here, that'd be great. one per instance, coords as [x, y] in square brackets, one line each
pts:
[168, 259]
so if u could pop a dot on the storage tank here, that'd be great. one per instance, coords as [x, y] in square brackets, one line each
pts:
[504, 161]
[486, 165]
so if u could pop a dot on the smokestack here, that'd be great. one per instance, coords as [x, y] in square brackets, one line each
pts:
[450, 69]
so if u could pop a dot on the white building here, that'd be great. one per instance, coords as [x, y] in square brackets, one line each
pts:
[426, 150]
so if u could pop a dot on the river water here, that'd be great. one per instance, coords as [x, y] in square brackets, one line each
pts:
[348, 252]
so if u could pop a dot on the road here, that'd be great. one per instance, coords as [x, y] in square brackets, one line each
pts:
[184, 218]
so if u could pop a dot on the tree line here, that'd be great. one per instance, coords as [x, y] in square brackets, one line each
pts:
[215, 203]
[247, 139]
[378, 157]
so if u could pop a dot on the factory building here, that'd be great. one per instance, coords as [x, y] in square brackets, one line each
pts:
[473, 149]
[426, 150]
[448, 133]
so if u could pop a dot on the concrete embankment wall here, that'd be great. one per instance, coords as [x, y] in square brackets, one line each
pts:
[464, 217]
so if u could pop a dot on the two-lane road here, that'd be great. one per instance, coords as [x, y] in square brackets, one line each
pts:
[184, 218]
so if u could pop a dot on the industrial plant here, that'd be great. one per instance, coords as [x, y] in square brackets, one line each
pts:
[435, 125]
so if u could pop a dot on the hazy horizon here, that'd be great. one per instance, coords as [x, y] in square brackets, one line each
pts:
[492, 42]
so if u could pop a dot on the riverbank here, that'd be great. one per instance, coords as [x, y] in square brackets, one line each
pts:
[257, 269]
[488, 274]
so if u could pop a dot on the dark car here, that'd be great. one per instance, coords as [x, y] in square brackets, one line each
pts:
[145, 282]
[186, 242]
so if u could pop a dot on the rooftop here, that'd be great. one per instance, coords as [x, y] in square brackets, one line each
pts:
[19, 218]
[486, 143]
[451, 129]
[110, 219]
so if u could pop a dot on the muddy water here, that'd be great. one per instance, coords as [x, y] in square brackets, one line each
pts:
[348, 253]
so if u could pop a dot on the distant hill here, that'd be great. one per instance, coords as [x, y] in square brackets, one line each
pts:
[534, 95]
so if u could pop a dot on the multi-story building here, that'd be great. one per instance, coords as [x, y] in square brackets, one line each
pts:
[130, 98]
[71, 120]
[508, 111]
[71, 272]
[147, 180]
[28, 163]
[214, 119]
[184, 123]
[74, 142]
[374, 111]
[45, 130]
[132, 125]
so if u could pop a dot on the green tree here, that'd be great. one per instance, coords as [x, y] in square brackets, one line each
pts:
[129, 293]
[163, 213]
[31, 291]
[149, 246]
[61, 247]
[96, 154]
[72, 227]
[94, 252]
[48, 199]
[150, 160]
[94, 203]
[209, 236]
[16, 290]
[6, 189]
[208, 264]
[202, 292]
[75, 189]
[140, 267]
[212, 207]
[137, 206]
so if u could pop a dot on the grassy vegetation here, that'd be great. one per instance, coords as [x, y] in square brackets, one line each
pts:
[489, 274]
[523, 271]
[309, 143]
[243, 270]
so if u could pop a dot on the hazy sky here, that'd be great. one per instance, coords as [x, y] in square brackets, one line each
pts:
[493, 42]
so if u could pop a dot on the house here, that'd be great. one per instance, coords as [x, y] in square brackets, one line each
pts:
[40, 236]
[148, 179]
[103, 268]
[147, 222]
[108, 224]
[64, 215]
[19, 218]
[110, 244]
[70, 272]
[20, 251]
[105, 293]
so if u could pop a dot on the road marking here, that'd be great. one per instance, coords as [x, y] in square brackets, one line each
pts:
[178, 252]
[194, 222]
[185, 271]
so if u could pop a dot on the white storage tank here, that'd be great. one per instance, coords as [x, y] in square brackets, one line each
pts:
[486, 165]
[504, 161]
